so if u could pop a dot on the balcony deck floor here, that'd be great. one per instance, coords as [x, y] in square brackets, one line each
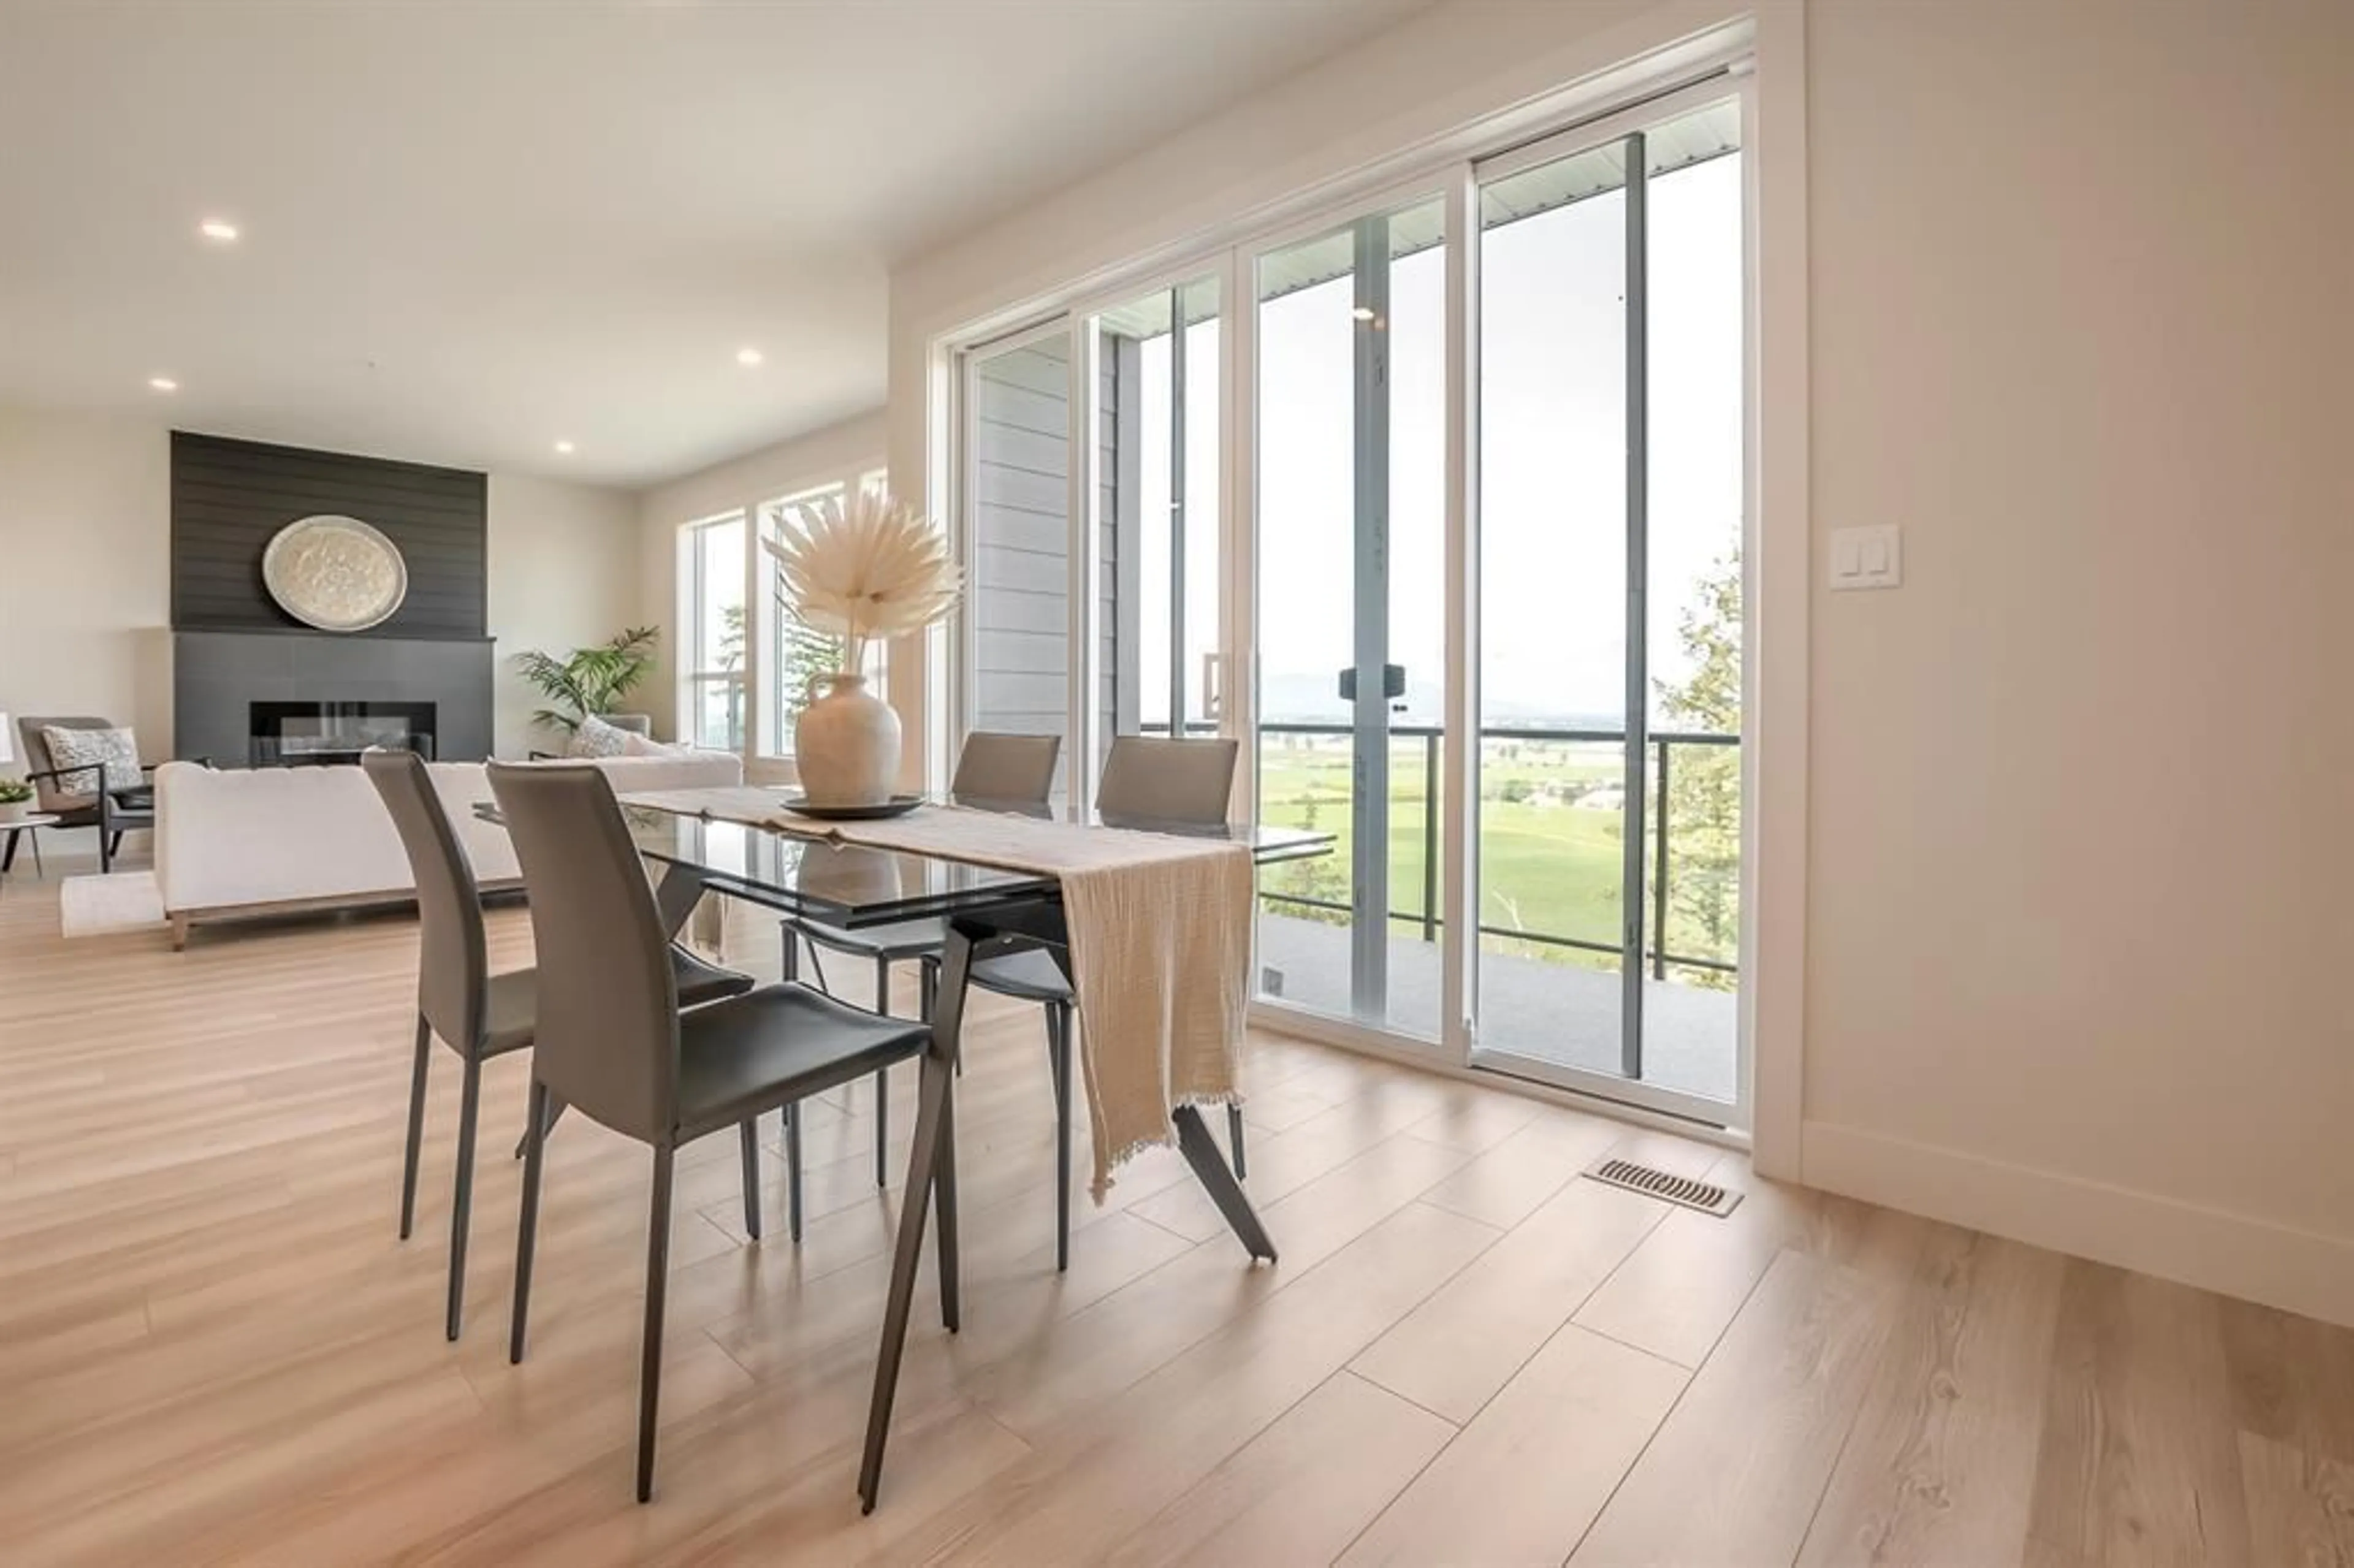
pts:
[1560, 1014]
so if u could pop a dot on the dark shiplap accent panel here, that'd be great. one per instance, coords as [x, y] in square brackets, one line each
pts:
[228, 498]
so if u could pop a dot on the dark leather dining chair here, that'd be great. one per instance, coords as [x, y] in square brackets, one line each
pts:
[479, 1014]
[1016, 771]
[614, 1043]
[1148, 781]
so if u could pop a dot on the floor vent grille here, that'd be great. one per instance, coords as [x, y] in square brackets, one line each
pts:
[1706, 1196]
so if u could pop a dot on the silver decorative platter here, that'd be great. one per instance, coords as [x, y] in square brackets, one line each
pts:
[335, 573]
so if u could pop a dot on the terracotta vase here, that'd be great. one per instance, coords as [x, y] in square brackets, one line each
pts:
[846, 742]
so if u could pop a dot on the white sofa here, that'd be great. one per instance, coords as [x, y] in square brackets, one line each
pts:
[233, 843]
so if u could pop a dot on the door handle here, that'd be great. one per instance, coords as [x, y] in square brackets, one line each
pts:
[1393, 683]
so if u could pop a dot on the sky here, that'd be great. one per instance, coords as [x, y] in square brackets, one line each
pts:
[1552, 490]
[1551, 482]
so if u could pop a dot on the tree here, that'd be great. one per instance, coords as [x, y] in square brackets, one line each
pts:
[806, 655]
[1703, 808]
[1316, 877]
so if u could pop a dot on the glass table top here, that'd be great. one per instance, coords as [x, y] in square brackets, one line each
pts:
[853, 885]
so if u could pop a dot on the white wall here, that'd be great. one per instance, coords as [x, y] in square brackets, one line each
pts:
[853, 447]
[85, 572]
[2079, 854]
[563, 574]
[2070, 852]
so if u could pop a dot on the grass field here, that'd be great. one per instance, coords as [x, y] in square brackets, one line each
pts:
[1550, 835]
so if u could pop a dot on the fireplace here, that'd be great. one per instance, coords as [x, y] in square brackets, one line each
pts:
[316, 734]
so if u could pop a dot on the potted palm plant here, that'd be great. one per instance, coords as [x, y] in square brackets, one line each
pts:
[589, 681]
[872, 570]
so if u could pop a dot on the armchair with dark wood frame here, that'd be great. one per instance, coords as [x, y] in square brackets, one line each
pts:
[112, 813]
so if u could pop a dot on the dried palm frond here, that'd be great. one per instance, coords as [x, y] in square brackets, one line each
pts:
[876, 568]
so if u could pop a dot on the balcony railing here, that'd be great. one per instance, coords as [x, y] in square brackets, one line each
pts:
[1662, 745]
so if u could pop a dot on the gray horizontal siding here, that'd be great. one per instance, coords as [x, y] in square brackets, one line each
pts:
[1020, 520]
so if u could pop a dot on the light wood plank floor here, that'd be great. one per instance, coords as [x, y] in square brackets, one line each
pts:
[212, 1349]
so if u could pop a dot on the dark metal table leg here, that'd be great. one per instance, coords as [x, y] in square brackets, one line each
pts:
[1210, 1168]
[932, 1125]
[675, 896]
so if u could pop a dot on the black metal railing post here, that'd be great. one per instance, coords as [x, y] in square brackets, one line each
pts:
[1430, 837]
[1659, 878]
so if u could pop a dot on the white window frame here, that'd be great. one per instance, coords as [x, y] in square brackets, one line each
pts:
[692, 679]
[1450, 170]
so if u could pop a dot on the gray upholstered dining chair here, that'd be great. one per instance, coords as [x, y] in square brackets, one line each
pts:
[479, 1014]
[1014, 771]
[78, 797]
[613, 1041]
[1148, 781]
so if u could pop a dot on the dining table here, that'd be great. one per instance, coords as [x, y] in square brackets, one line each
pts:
[736, 841]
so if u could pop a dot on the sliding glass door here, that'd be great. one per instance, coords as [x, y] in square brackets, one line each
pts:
[1483, 448]
[1610, 464]
[1157, 518]
[1093, 530]
[1350, 442]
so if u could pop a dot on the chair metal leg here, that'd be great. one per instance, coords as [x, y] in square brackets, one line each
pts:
[547, 1123]
[882, 1081]
[790, 968]
[657, 1284]
[527, 1222]
[1058, 1031]
[109, 846]
[1234, 1140]
[794, 1171]
[469, 1100]
[415, 1127]
[1057, 1022]
[750, 1140]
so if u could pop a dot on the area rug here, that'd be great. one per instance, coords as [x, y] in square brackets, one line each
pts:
[102, 905]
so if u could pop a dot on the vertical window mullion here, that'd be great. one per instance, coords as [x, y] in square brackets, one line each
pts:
[1177, 511]
[1631, 899]
[1370, 809]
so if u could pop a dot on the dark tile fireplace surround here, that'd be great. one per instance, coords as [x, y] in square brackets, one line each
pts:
[228, 688]
[250, 685]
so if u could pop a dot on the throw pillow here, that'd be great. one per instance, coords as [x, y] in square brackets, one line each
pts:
[633, 745]
[595, 737]
[110, 753]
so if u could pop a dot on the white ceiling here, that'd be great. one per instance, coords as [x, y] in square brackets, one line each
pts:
[473, 229]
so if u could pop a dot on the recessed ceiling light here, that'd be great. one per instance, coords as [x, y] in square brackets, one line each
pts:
[748, 356]
[162, 384]
[564, 446]
[219, 228]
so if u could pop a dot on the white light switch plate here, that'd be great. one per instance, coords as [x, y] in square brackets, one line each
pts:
[1867, 557]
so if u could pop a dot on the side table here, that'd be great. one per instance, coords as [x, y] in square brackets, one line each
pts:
[31, 822]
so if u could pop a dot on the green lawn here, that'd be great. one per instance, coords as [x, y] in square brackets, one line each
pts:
[1549, 863]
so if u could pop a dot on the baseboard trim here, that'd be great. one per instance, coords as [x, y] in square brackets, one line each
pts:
[2295, 1270]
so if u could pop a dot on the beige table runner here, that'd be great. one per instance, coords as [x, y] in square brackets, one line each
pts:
[1159, 928]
